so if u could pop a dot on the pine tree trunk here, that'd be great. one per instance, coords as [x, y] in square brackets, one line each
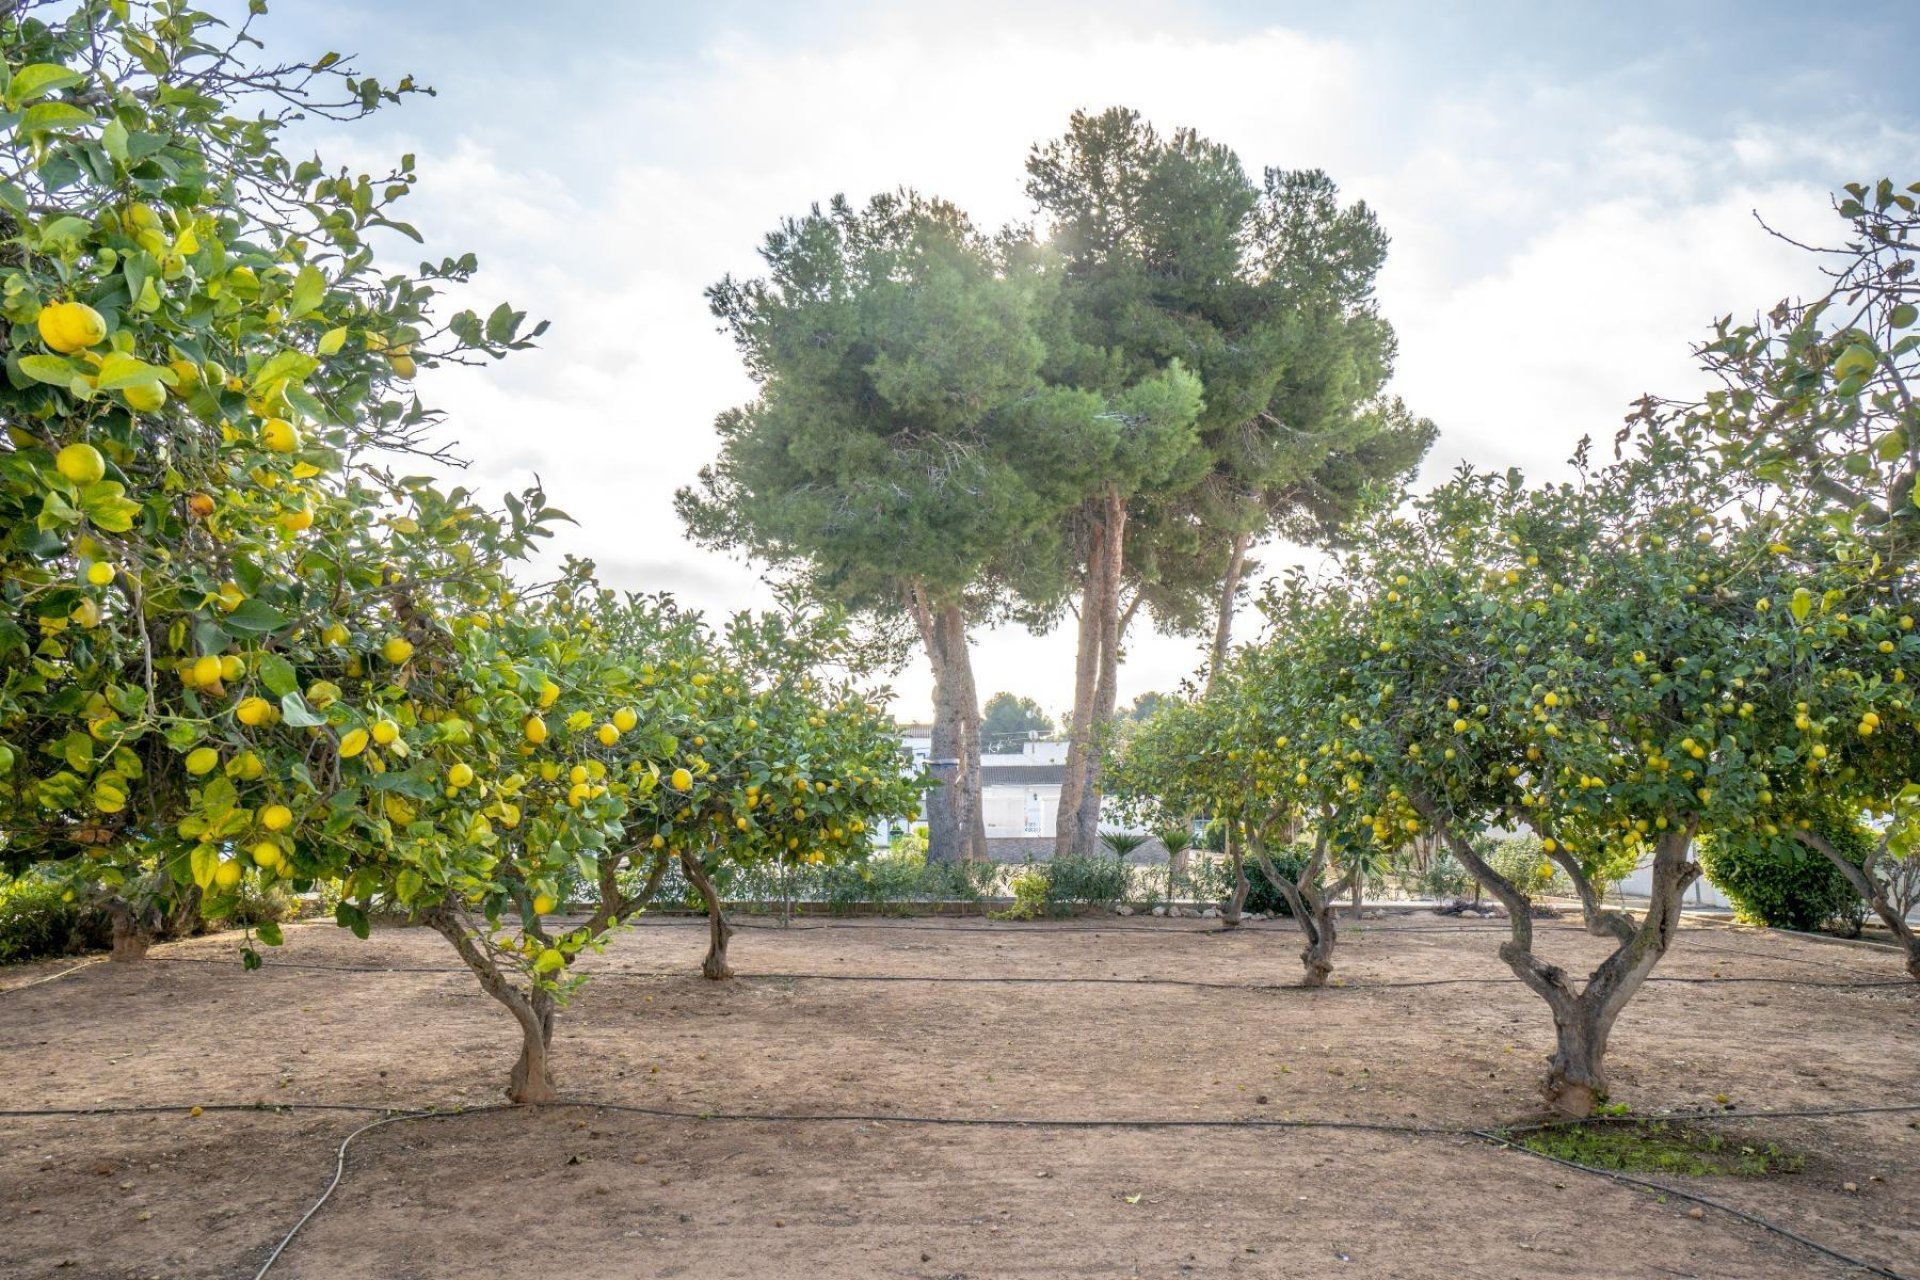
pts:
[1229, 591]
[957, 654]
[1086, 680]
[715, 966]
[946, 838]
[1107, 679]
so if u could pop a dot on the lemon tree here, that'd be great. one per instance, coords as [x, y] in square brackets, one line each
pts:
[778, 755]
[202, 363]
[1590, 661]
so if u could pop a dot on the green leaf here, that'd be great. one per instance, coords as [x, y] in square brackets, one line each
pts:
[295, 711]
[268, 932]
[408, 884]
[255, 617]
[332, 340]
[308, 290]
[53, 115]
[121, 370]
[204, 859]
[351, 917]
[114, 139]
[277, 674]
[51, 369]
[289, 366]
[1903, 315]
[249, 959]
[38, 80]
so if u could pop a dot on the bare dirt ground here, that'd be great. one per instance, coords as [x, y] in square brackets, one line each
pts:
[807, 1030]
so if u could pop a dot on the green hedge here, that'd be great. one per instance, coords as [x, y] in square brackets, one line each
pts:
[36, 922]
[1777, 881]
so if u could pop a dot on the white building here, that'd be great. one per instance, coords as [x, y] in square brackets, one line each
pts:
[1020, 791]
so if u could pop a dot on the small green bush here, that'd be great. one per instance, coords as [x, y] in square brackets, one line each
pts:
[1443, 878]
[1030, 895]
[1261, 893]
[1086, 884]
[1522, 860]
[37, 922]
[1777, 881]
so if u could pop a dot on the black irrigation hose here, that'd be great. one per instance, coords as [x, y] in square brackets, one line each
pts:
[1019, 979]
[1646, 1184]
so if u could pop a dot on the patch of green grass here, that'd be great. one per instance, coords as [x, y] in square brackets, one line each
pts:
[1662, 1146]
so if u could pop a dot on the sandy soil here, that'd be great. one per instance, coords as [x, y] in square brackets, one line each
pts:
[595, 1192]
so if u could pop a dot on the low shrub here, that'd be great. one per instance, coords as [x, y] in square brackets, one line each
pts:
[1261, 893]
[1522, 860]
[38, 921]
[1443, 878]
[1086, 884]
[1777, 881]
[1030, 895]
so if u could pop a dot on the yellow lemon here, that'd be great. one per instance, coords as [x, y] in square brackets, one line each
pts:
[536, 730]
[80, 463]
[542, 904]
[335, 634]
[682, 780]
[227, 874]
[577, 775]
[352, 743]
[549, 693]
[461, 775]
[266, 854]
[608, 735]
[276, 817]
[206, 671]
[625, 718]
[298, 520]
[253, 712]
[202, 761]
[188, 374]
[385, 731]
[100, 573]
[231, 667]
[397, 649]
[68, 327]
[280, 435]
[147, 397]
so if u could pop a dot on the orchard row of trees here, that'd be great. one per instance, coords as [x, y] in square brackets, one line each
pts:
[241, 643]
[1711, 637]
[955, 427]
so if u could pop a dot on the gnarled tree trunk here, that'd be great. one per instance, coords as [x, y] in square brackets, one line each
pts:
[1313, 911]
[532, 1078]
[132, 932]
[715, 966]
[1868, 886]
[1237, 900]
[1601, 920]
[1583, 1017]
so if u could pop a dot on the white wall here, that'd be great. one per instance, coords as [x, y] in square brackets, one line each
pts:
[1012, 810]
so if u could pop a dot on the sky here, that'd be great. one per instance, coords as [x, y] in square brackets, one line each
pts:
[1571, 190]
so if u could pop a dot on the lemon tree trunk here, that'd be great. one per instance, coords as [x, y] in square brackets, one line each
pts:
[531, 1080]
[1583, 1016]
[1870, 887]
[715, 966]
[1313, 910]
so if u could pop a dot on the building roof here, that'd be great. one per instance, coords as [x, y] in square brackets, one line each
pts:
[1022, 775]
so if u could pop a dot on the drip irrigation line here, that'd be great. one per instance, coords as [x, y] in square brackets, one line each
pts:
[167, 1108]
[1044, 980]
[1647, 1184]
[51, 977]
[340, 1171]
